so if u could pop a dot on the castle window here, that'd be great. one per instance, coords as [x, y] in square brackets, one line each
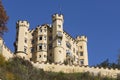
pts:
[40, 37]
[32, 49]
[59, 41]
[45, 56]
[59, 34]
[68, 52]
[25, 49]
[50, 54]
[81, 53]
[80, 47]
[40, 46]
[45, 45]
[39, 56]
[82, 62]
[45, 37]
[59, 51]
[25, 40]
[68, 45]
[59, 26]
[32, 41]
[32, 34]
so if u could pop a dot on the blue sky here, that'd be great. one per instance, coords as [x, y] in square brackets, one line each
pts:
[99, 20]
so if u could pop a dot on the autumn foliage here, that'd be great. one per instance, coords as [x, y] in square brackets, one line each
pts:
[3, 19]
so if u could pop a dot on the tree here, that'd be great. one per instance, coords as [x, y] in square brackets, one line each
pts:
[118, 60]
[104, 64]
[3, 19]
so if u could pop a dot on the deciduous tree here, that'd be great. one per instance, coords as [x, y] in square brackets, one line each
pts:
[3, 19]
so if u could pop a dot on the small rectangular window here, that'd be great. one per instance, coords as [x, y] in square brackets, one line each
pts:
[31, 49]
[81, 53]
[45, 37]
[80, 47]
[68, 45]
[40, 37]
[25, 49]
[40, 46]
[59, 26]
[45, 45]
[45, 56]
[32, 41]
[25, 40]
[50, 54]
[82, 62]
[59, 34]
[68, 52]
[39, 56]
[59, 41]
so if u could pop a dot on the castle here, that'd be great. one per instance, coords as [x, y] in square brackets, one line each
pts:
[50, 43]
[50, 48]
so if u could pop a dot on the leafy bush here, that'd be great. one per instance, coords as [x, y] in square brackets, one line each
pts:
[2, 60]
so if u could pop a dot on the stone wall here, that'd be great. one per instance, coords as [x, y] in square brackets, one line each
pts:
[75, 69]
[7, 53]
[4, 50]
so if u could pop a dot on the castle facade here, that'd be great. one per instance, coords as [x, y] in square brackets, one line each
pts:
[50, 43]
[50, 48]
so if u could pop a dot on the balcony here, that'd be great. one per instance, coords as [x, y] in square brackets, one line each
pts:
[68, 53]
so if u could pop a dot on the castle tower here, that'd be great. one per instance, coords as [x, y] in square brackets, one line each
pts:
[21, 44]
[41, 33]
[57, 35]
[82, 50]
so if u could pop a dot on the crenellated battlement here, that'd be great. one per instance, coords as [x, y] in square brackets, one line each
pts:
[23, 23]
[81, 38]
[57, 17]
[77, 68]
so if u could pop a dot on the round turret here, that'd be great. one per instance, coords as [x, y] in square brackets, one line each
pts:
[21, 43]
[57, 17]
[23, 23]
[82, 50]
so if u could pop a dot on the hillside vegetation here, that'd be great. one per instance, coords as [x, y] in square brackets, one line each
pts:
[20, 69]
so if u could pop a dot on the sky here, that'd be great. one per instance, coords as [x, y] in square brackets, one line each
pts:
[99, 20]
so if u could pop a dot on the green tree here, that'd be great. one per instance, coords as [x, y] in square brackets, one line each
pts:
[118, 60]
[104, 64]
[3, 19]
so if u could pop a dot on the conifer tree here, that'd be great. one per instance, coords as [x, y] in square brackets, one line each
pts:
[3, 19]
